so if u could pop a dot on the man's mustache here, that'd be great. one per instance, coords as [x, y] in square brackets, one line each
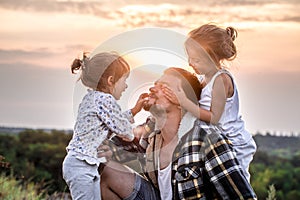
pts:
[152, 100]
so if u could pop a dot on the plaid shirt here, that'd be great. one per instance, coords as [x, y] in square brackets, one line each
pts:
[203, 165]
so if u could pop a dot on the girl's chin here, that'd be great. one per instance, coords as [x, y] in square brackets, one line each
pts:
[118, 98]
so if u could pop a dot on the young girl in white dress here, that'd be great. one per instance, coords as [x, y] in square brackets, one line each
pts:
[207, 47]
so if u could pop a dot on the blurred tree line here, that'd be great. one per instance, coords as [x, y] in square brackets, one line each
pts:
[283, 173]
[37, 156]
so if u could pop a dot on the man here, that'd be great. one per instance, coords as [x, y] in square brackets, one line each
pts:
[185, 159]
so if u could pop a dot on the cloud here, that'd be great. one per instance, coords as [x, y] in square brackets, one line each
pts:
[92, 6]
[191, 15]
[37, 57]
[18, 54]
[170, 13]
[292, 18]
[60, 58]
[86, 7]
[78, 48]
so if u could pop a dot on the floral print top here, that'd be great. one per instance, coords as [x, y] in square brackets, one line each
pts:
[99, 115]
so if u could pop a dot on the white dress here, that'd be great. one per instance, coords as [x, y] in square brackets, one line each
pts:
[231, 123]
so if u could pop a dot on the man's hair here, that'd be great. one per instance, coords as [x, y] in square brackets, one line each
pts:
[189, 83]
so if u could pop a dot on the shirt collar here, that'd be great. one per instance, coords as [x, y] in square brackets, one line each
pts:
[186, 124]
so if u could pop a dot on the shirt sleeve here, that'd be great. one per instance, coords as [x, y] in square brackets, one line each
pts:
[128, 114]
[124, 151]
[109, 112]
[224, 170]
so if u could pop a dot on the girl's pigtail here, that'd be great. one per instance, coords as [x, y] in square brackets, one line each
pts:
[85, 60]
[77, 63]
[232, 32]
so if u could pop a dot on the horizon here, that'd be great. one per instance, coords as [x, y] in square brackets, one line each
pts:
[48, 129]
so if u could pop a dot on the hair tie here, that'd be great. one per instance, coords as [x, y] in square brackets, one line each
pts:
[84, 60]
[83, 65]
[231, 32]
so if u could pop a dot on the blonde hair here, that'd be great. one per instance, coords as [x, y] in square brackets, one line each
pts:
[216, 41]
[96, 70]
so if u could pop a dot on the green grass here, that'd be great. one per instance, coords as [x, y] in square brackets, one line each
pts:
[271, 193]
[12, 189]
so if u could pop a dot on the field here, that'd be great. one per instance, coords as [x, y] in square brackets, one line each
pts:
[31, 160]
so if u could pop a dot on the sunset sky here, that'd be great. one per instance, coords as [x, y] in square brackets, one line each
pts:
[40, 38]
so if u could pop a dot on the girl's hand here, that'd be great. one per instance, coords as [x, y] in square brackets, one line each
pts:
[143, 98]
[175, 96]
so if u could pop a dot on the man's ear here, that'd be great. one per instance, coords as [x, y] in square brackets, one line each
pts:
[110, 81]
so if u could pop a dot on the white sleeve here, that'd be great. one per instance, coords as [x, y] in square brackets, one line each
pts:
[109, 112]
[128, 114]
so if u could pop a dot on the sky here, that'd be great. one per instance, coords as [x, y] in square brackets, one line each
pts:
[40, 38]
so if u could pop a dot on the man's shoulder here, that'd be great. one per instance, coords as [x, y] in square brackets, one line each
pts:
[206, 128]
[203, 131]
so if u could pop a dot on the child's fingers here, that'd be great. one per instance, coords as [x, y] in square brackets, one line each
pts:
[143, 98]
[103, 148]
[165, 87]
[144, 95]
[170, 96]
[168, 92]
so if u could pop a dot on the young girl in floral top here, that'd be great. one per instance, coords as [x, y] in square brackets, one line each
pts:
[99, 117]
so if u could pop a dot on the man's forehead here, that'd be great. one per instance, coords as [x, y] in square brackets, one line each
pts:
[167, 79]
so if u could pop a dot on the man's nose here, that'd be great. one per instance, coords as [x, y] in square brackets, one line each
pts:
[152, 89]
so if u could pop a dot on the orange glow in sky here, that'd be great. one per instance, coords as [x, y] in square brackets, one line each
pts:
[39, 39]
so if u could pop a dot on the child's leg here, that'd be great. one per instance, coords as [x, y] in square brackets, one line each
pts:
[244, 154]
[83, 179]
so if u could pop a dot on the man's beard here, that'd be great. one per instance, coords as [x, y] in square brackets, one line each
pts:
[151, 102]
[160, 115]
[157, 110]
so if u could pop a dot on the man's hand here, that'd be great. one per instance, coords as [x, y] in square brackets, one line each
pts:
[104, 151]
[139, 131]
